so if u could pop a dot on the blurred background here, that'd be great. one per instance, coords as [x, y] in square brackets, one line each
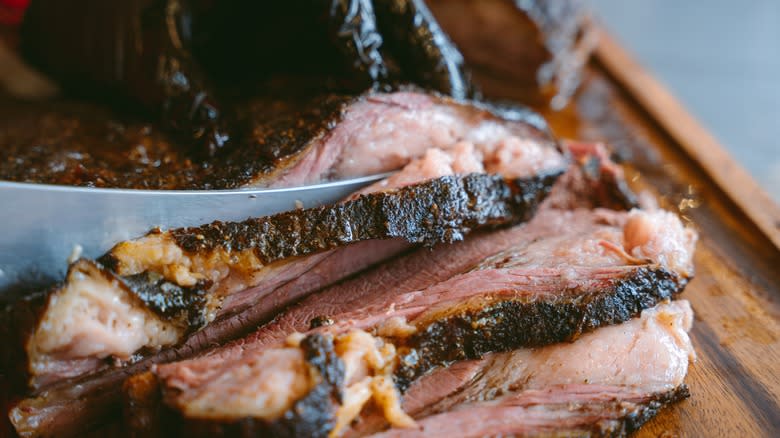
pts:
[721, 58]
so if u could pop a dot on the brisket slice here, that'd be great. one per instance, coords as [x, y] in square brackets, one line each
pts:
[640, 358]
[527, 50]
[576, 271]
[291, 141]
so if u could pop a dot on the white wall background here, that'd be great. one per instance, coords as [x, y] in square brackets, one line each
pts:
[721, 58]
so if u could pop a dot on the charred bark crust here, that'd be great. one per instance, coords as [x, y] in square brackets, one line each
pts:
[441, 210]
[512, 324]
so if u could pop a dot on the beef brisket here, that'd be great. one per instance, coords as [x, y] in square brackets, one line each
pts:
[570, 410]
[154, 292]
[576, 271]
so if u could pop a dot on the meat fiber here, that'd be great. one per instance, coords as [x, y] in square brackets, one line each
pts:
[528, 50]
[570, 410]
[568, 273]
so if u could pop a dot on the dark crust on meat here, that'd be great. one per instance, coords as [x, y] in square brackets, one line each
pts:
[464, 203]
[80, 144]
[440, 210]
[181, 306]
[425, 53]
[512, 324]
[644, 411]
[279, 133]
[185, 305]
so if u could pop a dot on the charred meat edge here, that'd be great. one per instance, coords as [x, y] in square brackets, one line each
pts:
[471, 328]
[296, 140]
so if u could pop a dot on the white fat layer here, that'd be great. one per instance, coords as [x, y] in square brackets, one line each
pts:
[660, 236]
[92, 316]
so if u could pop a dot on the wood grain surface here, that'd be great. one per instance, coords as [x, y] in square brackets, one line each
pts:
[735, 382]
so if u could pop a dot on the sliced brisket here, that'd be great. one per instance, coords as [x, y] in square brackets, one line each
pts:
[568, 273]
[72, 405]
[151, 292]
[607, 383]
[566, 411]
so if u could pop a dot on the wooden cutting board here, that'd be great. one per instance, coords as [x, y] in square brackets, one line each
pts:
[735, 382]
